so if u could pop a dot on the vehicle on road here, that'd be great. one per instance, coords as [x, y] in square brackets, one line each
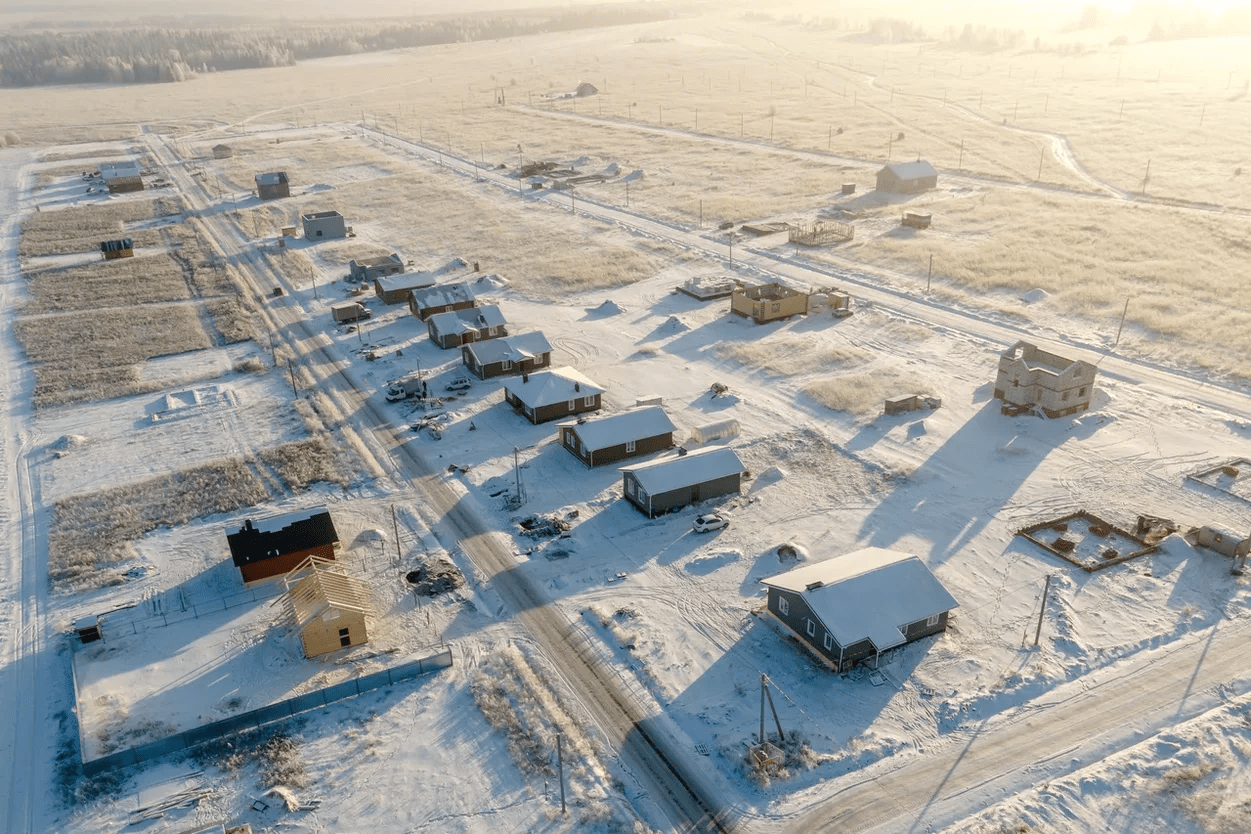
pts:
[460, 383]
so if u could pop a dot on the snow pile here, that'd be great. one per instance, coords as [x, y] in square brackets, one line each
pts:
[608, 308]
[66, 443]
[611, 171]
[1035, 295]
[317, 187]
[633, 176]
[770, 476]
[452, 265]
[672, 327]
[496, 281]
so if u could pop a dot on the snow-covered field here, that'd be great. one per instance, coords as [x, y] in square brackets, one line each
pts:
[676, 615]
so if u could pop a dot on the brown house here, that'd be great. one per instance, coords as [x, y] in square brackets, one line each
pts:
[507, 356]
[395, 289]
[768, 302]
[120, 248]
[329, 608]
[550, 395]
[597, 441]
[856, 606]
[270, 547]
[273, 185]
[121, 177]
[431, 301]
[907, 177]
[460, 327]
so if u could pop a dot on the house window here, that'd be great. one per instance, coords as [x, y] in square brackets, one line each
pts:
[1066, 396]
[570, 441]
[777, 308]
[345, 637]
[812, 628]
[829, 642]
[581, 448]
[784, 605]
[506, 365]
[318, 233]
[640, 493]
[571, 404]
[630, 445]
[589, 402]
[491, 331]
[932, 620]
[1082, 392]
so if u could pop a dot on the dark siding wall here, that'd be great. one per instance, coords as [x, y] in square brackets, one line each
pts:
[426, 312]
[917, 630]
[682, 497]
[627, 484]
[644, 446]
[797, 618]
[558, 410]
[495, 369]
[279, 565]
[569, 435]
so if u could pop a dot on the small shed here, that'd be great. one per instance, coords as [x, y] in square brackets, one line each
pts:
[907, 177]
[330, 609]
[324, 225]
[395, 289]
[550, 395]
[223, 152]
[266, 548]
[672, 483]
[120, 248]
[367, 269]
[856, 606]
[507, 356]
[431, 301]
[917, 220]
[597, 441]
[121, 177]
[768, 302]
[272, 185]
[460, 327]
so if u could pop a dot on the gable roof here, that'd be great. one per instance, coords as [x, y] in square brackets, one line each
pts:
[615, 429]
[276, 535]
[668, 474]
[510, 348]
[475, 318]
[911, 170]
[868, 594]
[550, 387]
[428, 297]
[404, 281]
[317, 586]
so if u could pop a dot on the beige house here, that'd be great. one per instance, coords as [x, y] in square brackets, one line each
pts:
[329, 608]
[768, 302]
[1030, 377]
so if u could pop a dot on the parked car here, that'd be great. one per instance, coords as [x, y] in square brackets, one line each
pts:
[711, 521]
[460, 383]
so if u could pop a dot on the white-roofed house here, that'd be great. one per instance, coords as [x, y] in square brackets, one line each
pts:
[597, 441]
[121, 177]
[459, 327]
[907, 177]
[550, 395]
[665, 485]
[856, 606]
[395, 289]
[430, 301]
[507, 356]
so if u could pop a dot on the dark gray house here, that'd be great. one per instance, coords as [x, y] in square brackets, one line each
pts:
[550, 395]
[367, 269]
[460, 327]
[856, 606]
[324, 225]
[395, 289]
[597, 441]
[907, 177]
[507, 356]
[272, 185]
[669, 484]
[431, 301]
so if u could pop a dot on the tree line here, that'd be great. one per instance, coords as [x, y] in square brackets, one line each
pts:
[151, 55]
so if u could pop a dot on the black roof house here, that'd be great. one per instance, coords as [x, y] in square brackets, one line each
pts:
[270, 538]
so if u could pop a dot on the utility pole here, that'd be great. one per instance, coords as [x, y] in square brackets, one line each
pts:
[1202, 113]
[560, 764]
[1041, 155]
[396, 524]
[960, 164]
[701, 214]
[930, 275]
[1042, 610]
[1121, 326]
[890, 145]
[520, 193]
[764, 692]
[291, 371]
[627, 193]
[1146, 178]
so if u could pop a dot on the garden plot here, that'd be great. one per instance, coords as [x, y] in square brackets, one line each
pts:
[81, 228]
[1233, 477]
[101, 284]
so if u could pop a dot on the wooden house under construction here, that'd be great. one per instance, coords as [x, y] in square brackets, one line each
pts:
[768, 302]
[329, 608]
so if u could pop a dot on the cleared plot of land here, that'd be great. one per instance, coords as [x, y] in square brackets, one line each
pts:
[80, 229]
[118, 283]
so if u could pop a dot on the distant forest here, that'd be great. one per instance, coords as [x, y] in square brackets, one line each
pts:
[144, 55]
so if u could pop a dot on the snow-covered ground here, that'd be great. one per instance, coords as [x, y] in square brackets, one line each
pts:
[677, 613]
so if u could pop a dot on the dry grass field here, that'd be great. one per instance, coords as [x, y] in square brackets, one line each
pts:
[105, 284]
[81, 228]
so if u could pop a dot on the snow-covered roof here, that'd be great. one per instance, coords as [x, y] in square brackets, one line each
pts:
[661, 476]
[475, 318]
[112, 170]
[271, 178]
[510, 348]
[615, 429]
[274, 523]
[550, 387]
[869, 594]
[404, 281]
[911, 170]
[442, 295]
[322, 215]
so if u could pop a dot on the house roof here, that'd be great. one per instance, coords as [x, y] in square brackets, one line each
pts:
[668, 474]
[510, 348]
[321, 215]
[112, 170]
[911, 170]
[868, 594]
[264, 538]
[439, 296]
[475, 318]
[271, 178]
[404, 281]
[615, 429]
[1035, 358]
[550, 387]
[317, 586]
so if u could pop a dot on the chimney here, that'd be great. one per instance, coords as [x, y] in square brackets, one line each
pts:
[525, 377]
[247, 525]
[681, 451]
[577, 386]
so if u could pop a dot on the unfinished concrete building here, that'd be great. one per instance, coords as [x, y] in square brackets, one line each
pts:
[768, 302]
[1032, 378]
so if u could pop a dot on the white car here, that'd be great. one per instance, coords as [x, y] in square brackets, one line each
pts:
[710, 521]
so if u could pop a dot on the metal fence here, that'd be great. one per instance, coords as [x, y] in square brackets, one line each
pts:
[267, 715]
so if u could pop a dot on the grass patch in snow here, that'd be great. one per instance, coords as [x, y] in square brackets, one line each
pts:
[862, 394]
[790, 354]
[81, 228]
[305, 462]
[96, 286]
